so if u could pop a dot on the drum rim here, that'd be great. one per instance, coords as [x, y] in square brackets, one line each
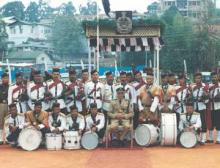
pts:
[20, 142]
[83, 137]
[135, 135]
[193, 133]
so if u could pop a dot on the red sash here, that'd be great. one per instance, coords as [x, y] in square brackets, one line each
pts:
[36, 87]
[17, 89]
[139, 85]
[55, 83]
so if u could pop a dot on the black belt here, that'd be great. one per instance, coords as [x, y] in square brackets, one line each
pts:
[90, 97]
[4, 102]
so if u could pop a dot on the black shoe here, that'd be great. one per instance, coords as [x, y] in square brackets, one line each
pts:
[217, 142]
[202, 143]
[114, 143]
[1, 142]
[209, 141]
[123, 143]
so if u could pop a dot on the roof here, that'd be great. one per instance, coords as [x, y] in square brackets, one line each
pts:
[24, 55]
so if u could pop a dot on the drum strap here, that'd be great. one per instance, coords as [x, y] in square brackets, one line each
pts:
[188, 118]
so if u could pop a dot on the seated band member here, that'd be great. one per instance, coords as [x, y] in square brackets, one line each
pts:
[14, 123]
[95, 121]
[57, 120]
[120, 116]
[75, 121]
[190, 120]
[38, 118]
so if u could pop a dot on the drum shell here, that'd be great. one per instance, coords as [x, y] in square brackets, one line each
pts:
[168, 129]
[30, 138]
[89, 140]
[71, 140]
[53, 141]
[150, 132]
[188, 139]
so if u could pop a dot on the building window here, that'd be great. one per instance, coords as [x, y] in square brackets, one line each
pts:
[21, 29]
[32, 29]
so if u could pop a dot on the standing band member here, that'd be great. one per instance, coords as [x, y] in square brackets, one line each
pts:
[3, 103]
[17, 93]
[36, 91]
[214, 96]
[200, 99]
[75, 92]
[94, 91]
[14, 123]
[56, 88]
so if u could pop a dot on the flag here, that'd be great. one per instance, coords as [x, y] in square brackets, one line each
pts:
[106, 6]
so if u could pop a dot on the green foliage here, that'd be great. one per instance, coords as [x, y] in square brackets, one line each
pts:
[15, 8]
[67, 36]
[89, 9]
[3, 38]
[67, 9]
[32, 12]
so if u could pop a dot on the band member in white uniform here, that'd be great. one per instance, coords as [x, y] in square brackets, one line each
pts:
[56, 88]
[36, 91]
[17, 94]
[75, 92]
[95, 122]
[200, 98]
[214, 97]
[14, 123]
[94, 91]
[75, 121]
[57, 120]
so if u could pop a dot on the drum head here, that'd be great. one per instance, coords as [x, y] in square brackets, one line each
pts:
[188, 139]
[89, 141]
[142, 135]
[29, 139]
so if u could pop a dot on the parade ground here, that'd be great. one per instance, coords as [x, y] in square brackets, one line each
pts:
[206, 156]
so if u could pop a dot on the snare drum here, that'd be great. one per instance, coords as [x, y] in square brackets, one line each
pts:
[71, 140]
[146, 135]
[30, 138]
[90, 140]
[168, 129]
[53, 141]
[188, 139]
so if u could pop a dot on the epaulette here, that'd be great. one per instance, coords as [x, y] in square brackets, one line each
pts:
[100, 114]
[69, 115]
[20, 114]
[7, 117]
[196, 113]
[63, 115]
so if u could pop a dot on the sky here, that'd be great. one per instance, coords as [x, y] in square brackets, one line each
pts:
[139, 5]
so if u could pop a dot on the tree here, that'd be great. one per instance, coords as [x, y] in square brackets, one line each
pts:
[3, 39]
[89, 9]
[32, 12]
[15, 8]
[169, 15]
[67, 36]
[45, 11]
[67, 9]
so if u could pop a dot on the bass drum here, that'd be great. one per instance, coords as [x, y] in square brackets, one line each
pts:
[188, 139]
[89, 140]
[30, 138]
[168, 129]
[147, 134]
[53, 141]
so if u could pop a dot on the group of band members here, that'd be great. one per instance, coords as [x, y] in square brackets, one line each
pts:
[54, 105]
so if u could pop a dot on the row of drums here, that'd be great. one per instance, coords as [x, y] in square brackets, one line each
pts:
[145, 135]
[30, 139]
[166, 135]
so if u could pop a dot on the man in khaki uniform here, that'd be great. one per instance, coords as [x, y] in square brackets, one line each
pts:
[3, 103]
[38, 118]
[120, 115]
